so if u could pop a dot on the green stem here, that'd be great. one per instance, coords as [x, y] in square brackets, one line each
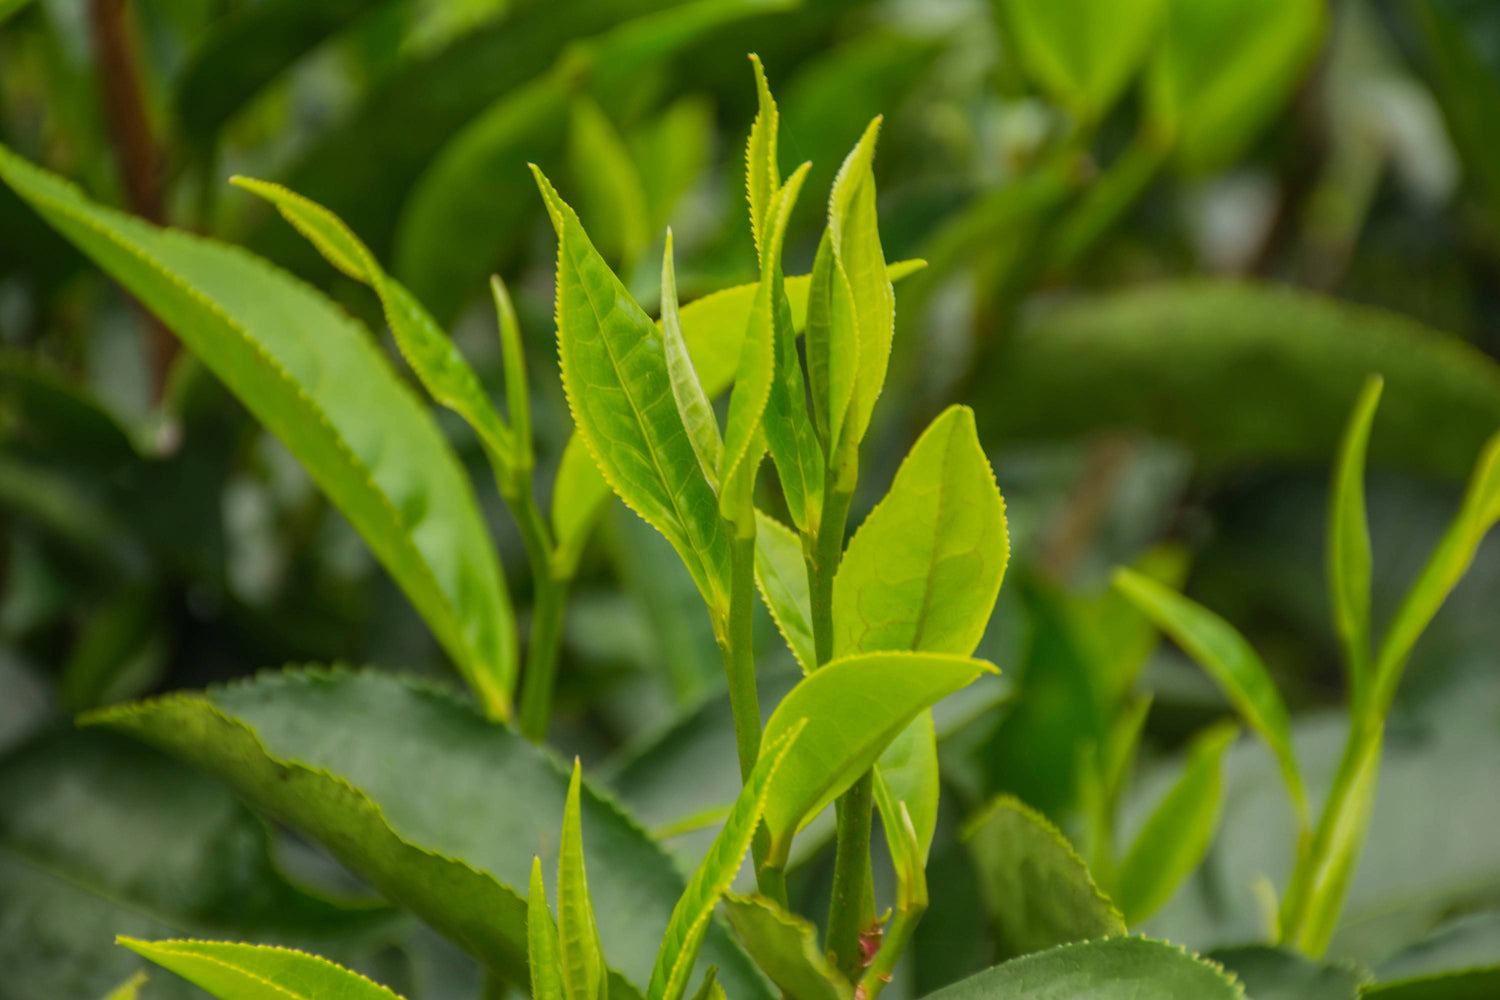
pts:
[736, 642]
[541, 657]
[849, 909]
[897, 937]
[823, 557]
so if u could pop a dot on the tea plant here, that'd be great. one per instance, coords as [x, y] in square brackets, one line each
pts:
[450, 812]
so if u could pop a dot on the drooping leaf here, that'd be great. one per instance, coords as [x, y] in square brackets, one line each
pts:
[781, 575]
[1222, 69]
[1178, 833]
[1118, 968]
[1257, 374]
[1035, 886]
[418, 794]
[1230, 661]
[855, 706]
[693, 406]
[1083, 52]
[434, 357]
[542, 958]
[785, 946]
[691, 917]
[924, 569]
[614, 370]
[1349, 541]
[580, 955]
[315, 379]
[1449, 561]
[233, 971]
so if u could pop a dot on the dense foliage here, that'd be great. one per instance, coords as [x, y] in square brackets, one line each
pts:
[292, 660]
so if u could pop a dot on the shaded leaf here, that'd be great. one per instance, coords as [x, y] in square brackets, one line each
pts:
[1120, 968]
[426, 800]
[1281, 974]
[785, 946]
[1035, 886]
[317, 381]
[1178, 833]
[1349, 541]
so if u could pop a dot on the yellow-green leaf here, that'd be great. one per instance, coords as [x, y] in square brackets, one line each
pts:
[696, 411]
[615, 374]
[232, 971]
[580, 956]
[541, 940]
[762, 174]
[924, 569]
[781, 575]
[785, 946]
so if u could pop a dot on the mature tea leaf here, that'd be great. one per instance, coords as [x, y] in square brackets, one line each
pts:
[542, 949]
[924, 569]
[317, 381]
[233, 971]
[435, 359]
[1258, 373]
[1229, 660]
[1035, 886]
[691, 917]
[1119, 968]
[1083, 52]
[1281, 974]
[1178, 833]
[855, 706]
[1222, 69]
[785, 946]
[580, 955]
[1349, 541]
[615, 373]
[437, 808]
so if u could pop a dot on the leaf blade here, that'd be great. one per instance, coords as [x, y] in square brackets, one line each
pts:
[233, 971]
[1348, 556]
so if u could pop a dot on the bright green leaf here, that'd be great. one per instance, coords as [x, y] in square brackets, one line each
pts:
[781, 575]
[762, 173]
[232, 971]
[580, 956]
[694, 911]
[578, 496]
[542, 958]
[1349, 541]
[693, 406]
[1083, 52]
[317, 381]
[785, 946]
[1179, 831]
[1035, 886]
[1118, 968]
[614, 370]
[855, 706]
[1230, 661]
[907, 773]
[130, 989]
[415, 792]
[924, 569]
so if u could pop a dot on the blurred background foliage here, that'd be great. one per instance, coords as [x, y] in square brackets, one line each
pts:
[1168, 239]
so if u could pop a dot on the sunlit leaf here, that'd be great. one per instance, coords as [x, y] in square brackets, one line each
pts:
[580, 956]
[696, 411]
[924, 569]
[542, 959]
[855, 706]
[1178, 833]
[615, 373]
[690, 918]
[232, 971]
[781, 575]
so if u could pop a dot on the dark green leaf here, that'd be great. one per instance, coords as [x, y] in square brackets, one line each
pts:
[1121, 968]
